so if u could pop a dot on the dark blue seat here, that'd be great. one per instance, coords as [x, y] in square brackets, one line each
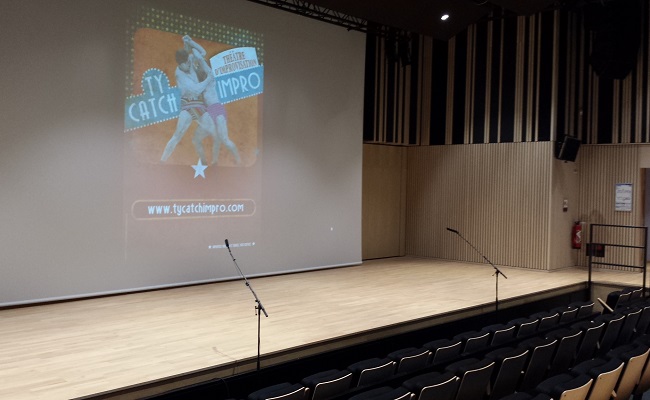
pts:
[474, 377]
[372, 370]
[409, 359]
[509, 366]
[434, 386]
[566, 386]
[566, 351]
[384, 393]
[443, 350]
[326, 384]
[541, 354]
[591, 334]
[281, 391]
[604, 373]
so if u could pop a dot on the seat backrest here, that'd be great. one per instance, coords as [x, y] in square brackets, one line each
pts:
[585, 308]
[569, 314]
[567, 348]
[627, 329]
[509, 366]
[443, 350]
[541, 354]
[328, 383]
[644, 320]
[500, 334]
[605, 374]
[474, 380]
[618, 298]
[433, 386]
[547, 320]
[591, 334]
[410, 359]
[574, 389]
[613, 325]
[373, 371]
[281, 391]
[473, 341]
[635, 359]
[525, 326]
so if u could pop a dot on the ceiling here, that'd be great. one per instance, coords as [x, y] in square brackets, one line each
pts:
[423, 16]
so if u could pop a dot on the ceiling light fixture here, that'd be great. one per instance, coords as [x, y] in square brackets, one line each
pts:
[444, 17]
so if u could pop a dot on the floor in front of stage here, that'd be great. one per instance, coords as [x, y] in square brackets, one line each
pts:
[127, 345]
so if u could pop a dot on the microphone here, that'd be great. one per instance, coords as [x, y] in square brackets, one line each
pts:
[228, 246]
[453, 230]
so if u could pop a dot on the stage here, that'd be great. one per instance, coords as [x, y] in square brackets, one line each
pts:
[140, 344]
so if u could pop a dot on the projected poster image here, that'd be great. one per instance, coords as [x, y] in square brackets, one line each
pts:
[192, 140]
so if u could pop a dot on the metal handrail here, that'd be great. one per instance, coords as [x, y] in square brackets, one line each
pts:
[644, 247]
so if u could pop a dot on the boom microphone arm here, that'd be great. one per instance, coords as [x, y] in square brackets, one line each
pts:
[497, 272]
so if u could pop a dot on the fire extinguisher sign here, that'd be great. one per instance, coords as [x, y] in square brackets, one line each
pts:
[623, 197]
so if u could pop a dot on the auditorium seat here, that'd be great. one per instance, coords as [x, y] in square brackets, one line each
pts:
[500, 334]
[591, 334]
[613, 324]
[644, 319]
[384, 393]
[509, 366]
[372, 370]
[566, 386]
[605, 374]
[585, 308]
[566, 350]
[433, 386]
[473, 341]
[635, 357]
[280, 391]
[644, 382]
[629, 324]
[618, 298]
[443, 350]
[409, 359]
[327, 384]
[547, 320]
[568, 313]
[474, 377]
[526, 327]
[636, 293]
[541, 354]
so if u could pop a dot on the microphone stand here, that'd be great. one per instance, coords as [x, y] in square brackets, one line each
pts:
[258, 305]
[496, 274]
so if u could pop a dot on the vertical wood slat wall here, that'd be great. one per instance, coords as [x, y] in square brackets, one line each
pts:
[526, 88]
[496, 82]
[602, 167]
[496, 196]
[517, 79]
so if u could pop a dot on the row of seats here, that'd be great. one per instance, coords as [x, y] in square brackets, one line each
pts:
[624, 297]
[621, 373]
[456, 352]
[557, 365]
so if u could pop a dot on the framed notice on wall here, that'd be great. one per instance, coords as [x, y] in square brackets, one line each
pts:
[623, 197]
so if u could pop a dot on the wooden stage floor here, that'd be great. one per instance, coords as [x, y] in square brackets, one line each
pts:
[130, 345]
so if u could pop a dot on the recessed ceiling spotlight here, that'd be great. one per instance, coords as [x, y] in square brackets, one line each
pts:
[444, 17]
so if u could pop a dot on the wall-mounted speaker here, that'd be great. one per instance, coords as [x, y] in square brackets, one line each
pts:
[567, 148]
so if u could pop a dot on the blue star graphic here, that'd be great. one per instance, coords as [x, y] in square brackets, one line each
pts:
[199, 169]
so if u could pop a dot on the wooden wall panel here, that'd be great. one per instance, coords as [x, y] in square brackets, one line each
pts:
[496, 196]
[602, 167]
[383, 198]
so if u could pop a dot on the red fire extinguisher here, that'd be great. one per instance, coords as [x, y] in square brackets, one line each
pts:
[576, 235]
